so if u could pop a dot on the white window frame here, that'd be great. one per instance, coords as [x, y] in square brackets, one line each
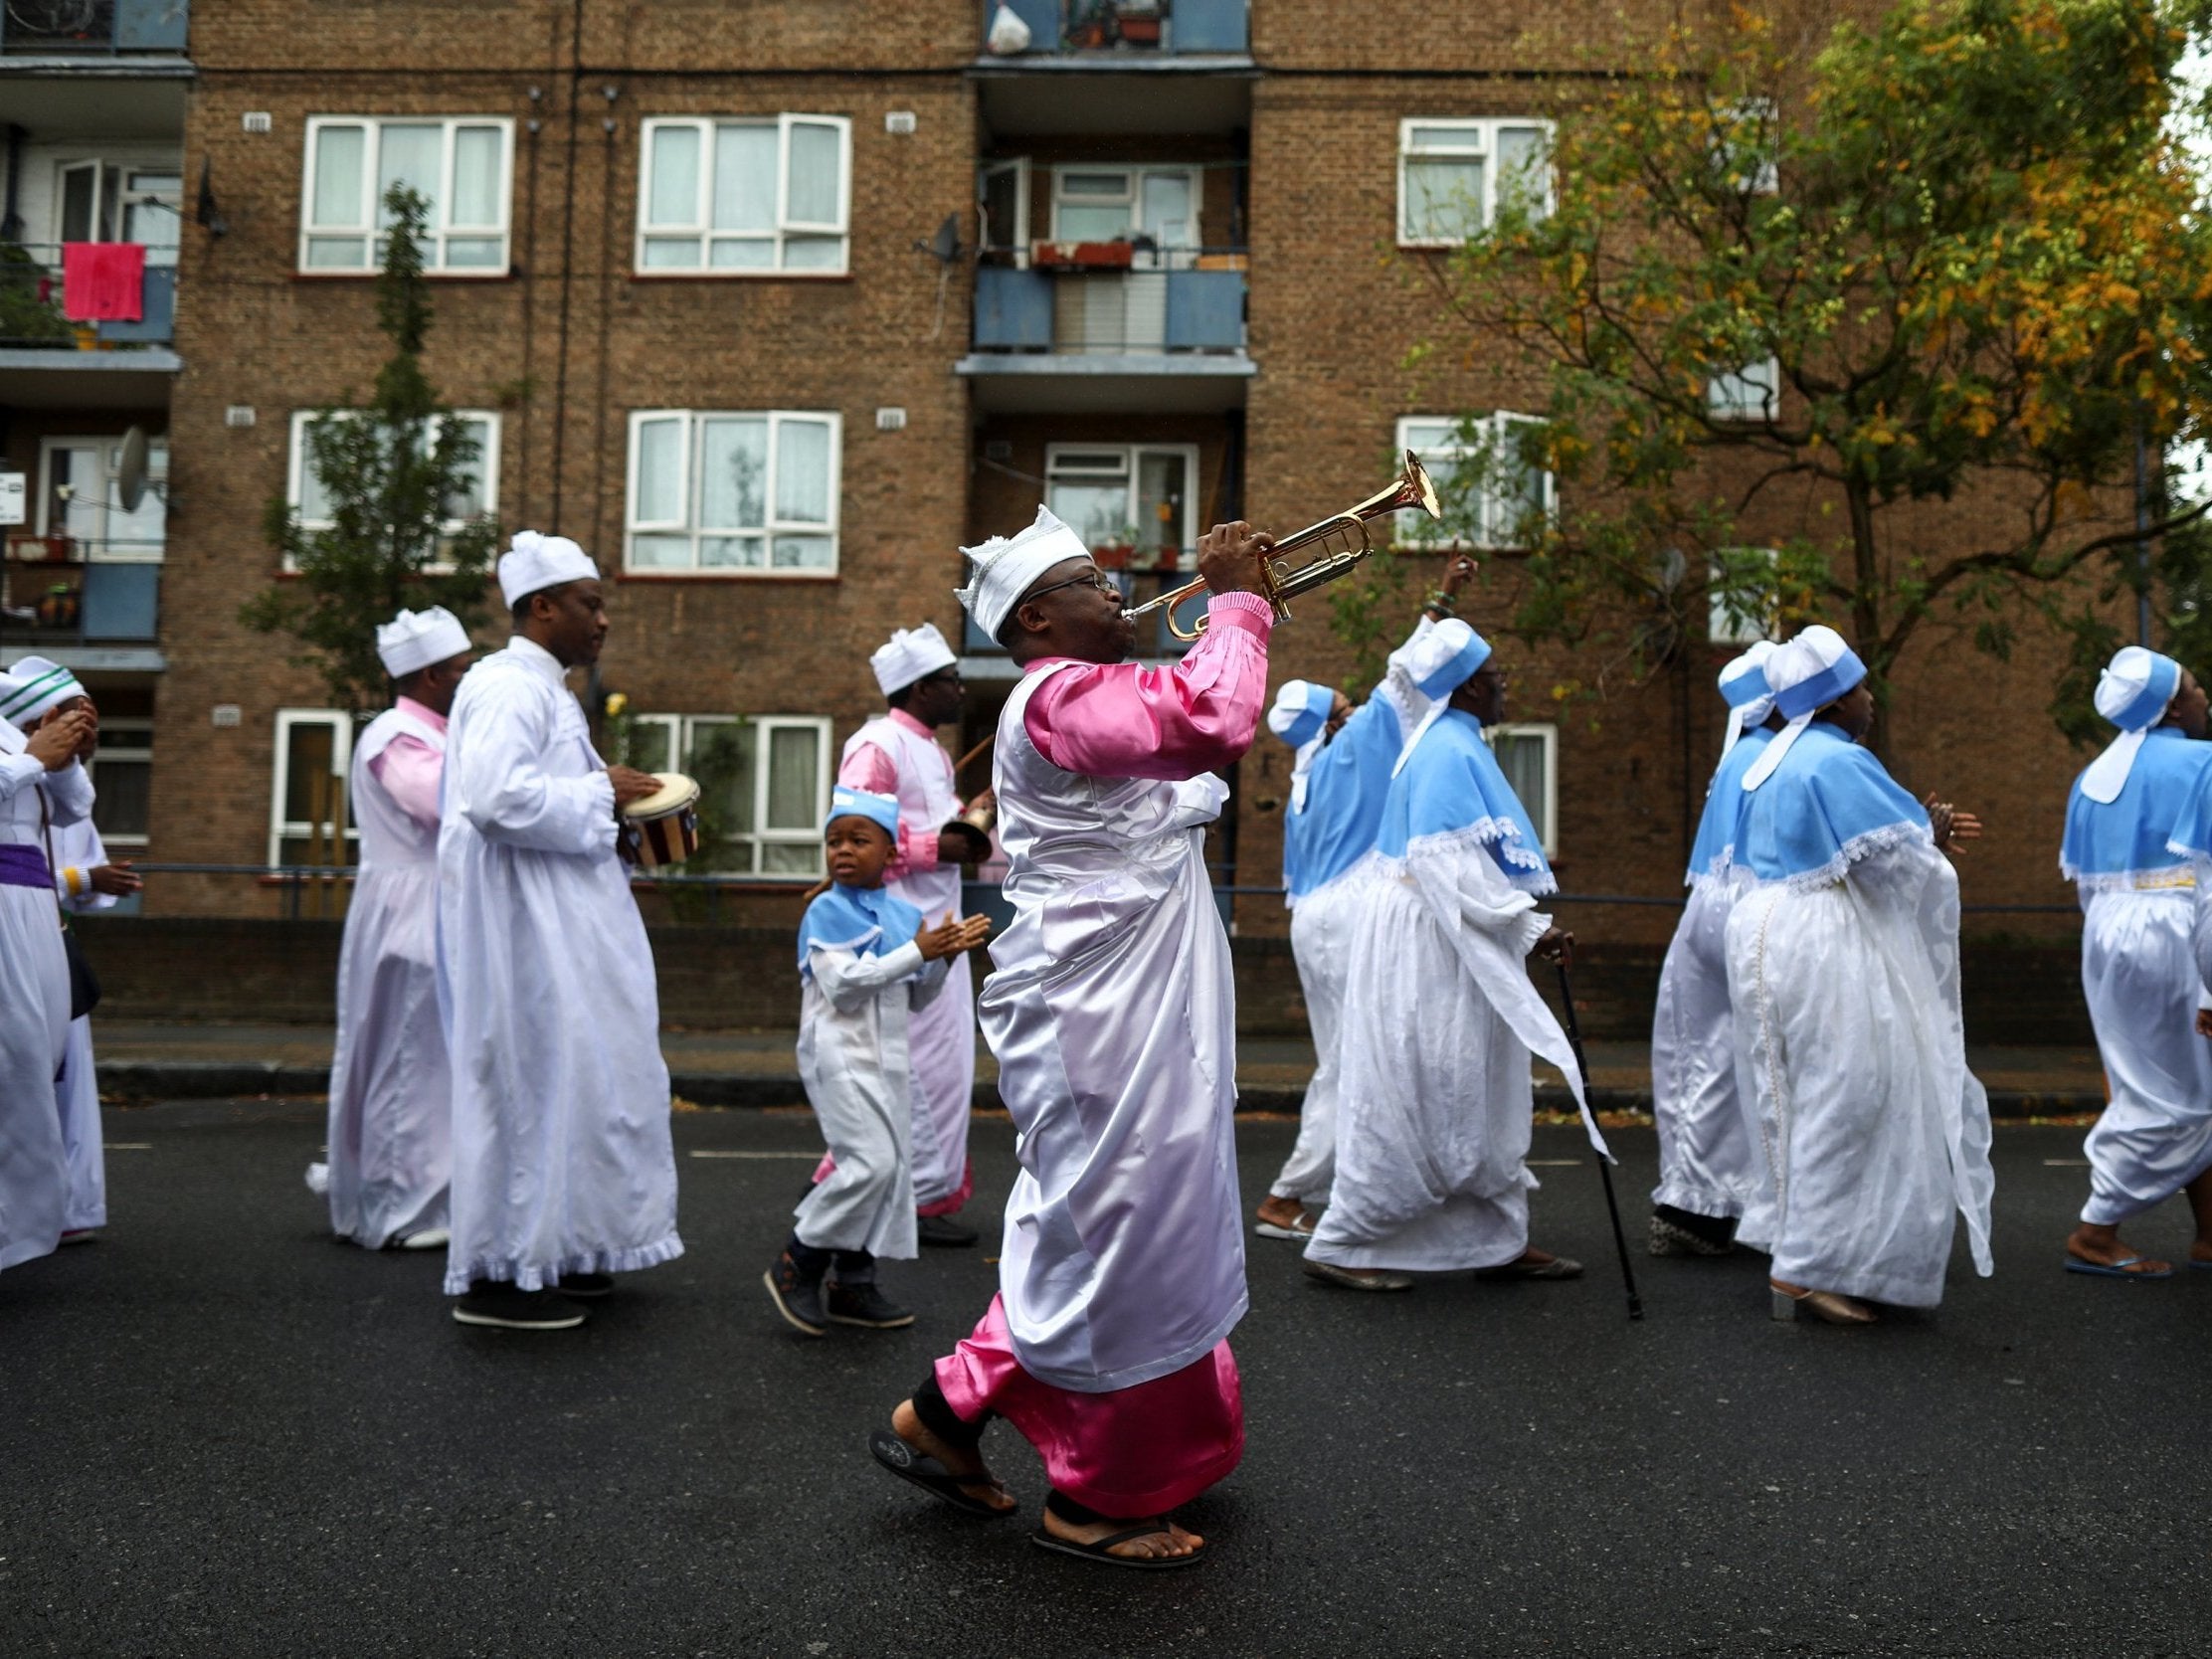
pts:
[1132, 454]
[1481, 143]
[1493, 530]
[1548, 827]
[96, 550]
[694, 427]
[761, 837]
[487, 463]
[1724, 625]
[435, 236]
[282, 828]
[1015, 241]
[1751, 394]
[108, 191]
[1133, 198]
[786, 226]
[1764, 176]
[117, 747]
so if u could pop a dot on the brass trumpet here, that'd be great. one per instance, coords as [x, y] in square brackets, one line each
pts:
[1334, 546]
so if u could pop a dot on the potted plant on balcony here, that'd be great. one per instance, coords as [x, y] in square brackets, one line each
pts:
[1112, 551]
[58, 607]
[1138, 21]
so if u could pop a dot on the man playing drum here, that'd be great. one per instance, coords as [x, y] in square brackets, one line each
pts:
[564, 1173]
[897, 754]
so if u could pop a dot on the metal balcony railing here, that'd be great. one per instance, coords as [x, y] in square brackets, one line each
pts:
[92, 28]
[1126, 28]
[32, 311]
[1112, 299]
[49, 603]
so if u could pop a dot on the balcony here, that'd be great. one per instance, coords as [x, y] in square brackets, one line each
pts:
[93, 29]
[55, 602]
[1105, 328]
[54, 362]
[1143, 30]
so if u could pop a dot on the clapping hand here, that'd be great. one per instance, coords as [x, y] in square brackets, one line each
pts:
[949, 937]
[1950, 825]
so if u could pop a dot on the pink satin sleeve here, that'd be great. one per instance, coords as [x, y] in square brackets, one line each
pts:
[868, 767]
[1119, 720]
[409, 770]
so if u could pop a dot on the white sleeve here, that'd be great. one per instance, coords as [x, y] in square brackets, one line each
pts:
[69, 794]
[847, 980]
[510, 798]
[922, 988]
[1396, 686]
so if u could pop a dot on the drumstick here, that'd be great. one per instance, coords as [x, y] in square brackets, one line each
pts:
[961, 765]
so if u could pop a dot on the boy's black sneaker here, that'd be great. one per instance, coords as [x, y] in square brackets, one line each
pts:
[863, 1304]
[587, 1287]
[505, 1308]
[943, 1231]
[798, 1297]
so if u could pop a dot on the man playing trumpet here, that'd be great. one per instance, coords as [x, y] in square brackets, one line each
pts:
[1112, 1011]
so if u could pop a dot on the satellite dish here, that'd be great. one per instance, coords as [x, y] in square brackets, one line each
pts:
[943, 246]
[130, 470]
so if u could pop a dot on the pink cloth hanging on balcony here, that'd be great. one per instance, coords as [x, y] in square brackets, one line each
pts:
[104, 281]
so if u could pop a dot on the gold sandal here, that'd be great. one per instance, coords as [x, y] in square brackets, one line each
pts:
[1821, 1304]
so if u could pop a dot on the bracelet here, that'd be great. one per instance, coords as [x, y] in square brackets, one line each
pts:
[75, 880]
[1439, 600]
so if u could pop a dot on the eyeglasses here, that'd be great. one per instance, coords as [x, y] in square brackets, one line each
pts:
[1097, 579]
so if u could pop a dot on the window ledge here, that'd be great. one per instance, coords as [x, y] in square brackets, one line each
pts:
[510, 273]
[665, 276]
[808, 576]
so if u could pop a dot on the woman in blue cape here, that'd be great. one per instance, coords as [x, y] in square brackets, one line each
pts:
[1843, 973]
[2134, 820]
[1713, 1187]
[1440, 1019]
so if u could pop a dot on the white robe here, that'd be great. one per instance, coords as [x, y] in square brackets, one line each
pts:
[34, 1007]
[1441, 1020]
[1710, 1162]
[79, 846]
[1323, 925]
[2140, 974]
[391, 1088]
[942, 1033]
[1113, 1015]
[1846, 994]
[854, 1021]
[562, 1157]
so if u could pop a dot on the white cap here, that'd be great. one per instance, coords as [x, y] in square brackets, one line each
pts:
[1300, 710]
[415, 639]
[2133, 693]
[34, 685]
[912, 654]
[1003, 569]
[536, 563]
[1806, 674]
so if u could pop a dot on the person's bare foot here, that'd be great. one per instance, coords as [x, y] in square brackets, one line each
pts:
[1285, 1217]
[907, 1425]
[1169, 1540]
[2103, 1246]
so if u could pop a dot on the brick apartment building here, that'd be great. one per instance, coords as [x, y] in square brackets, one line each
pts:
[691, 291]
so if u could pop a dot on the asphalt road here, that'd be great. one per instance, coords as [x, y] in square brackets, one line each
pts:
[222, 1435]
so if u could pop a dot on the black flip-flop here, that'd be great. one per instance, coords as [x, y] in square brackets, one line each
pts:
[1101, 1551]
[929, 1474]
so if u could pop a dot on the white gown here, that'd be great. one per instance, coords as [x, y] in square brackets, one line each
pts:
[1112, 1013]
[854, 1016]
[942, 1033]
[562, 1157]
[1845, 988]
[79, 845]
[391, 1088]
[34, 1007]
[1437, 1106]
[2140, 972]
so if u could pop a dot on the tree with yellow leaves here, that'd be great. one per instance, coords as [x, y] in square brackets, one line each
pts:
[1786, 306]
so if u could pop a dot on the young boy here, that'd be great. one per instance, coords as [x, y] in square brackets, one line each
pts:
[864, 963]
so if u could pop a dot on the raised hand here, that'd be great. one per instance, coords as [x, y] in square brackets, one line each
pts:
[62, 738]
[1228, 558]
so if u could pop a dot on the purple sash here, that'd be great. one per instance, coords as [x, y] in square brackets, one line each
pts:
[24, 866]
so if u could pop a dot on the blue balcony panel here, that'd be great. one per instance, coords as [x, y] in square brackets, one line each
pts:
[1013, 309]
[1212, 25]
[1206, 310]
[163, 25]
[121, 602]
[157, 323]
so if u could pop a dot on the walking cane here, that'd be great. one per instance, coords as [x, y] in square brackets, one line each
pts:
[1604, 1169]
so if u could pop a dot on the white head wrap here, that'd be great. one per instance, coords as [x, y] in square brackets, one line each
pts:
[2133, 693]
[33, 687]
[536, 563]
[1806, 674]
[415, 639]
[913, 653]
[1745, 689]
[1440, 661]
[1002, 569]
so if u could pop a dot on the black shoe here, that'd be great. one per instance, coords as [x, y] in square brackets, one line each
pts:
[797, 1298]
[943, 1229]
[863, 1304]
[505, 1308]
[587, 1287]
